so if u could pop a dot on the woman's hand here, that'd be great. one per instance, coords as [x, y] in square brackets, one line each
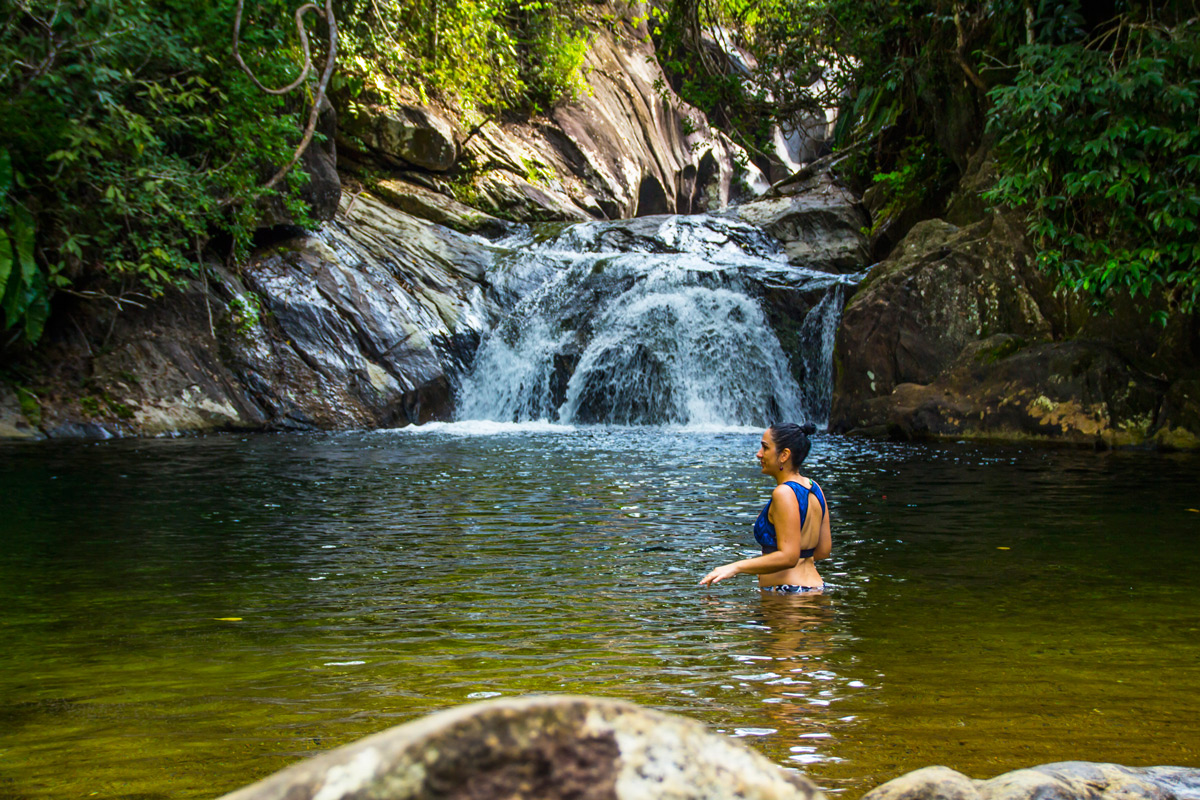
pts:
[721, 573]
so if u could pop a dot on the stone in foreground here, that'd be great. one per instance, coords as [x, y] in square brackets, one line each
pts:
[552, 747]
[1064, 780]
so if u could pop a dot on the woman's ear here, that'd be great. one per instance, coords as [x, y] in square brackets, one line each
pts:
[785, 454]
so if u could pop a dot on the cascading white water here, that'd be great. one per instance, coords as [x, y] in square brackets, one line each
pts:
[653, 321]
[817, 335]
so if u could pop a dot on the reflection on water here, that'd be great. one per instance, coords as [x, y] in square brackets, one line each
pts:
[183, 617]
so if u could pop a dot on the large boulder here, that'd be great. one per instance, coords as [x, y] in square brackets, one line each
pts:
[958, 335]
[820, 229]
[363, 324]
[553, 748]
[944, 288]
[1064, 780]
[1001, 388]
[403, 136]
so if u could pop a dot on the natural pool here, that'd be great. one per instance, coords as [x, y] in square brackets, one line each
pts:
[181, 617]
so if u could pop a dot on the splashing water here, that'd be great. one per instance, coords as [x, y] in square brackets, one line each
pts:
[657, 321]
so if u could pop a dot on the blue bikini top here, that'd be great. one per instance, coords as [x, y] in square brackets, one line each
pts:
[764, 531]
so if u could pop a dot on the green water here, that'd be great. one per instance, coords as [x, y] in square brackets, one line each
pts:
[378, 577]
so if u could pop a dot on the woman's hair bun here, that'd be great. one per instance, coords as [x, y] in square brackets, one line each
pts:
[808, 428]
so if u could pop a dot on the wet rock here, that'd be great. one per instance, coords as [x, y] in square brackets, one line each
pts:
[361, 325]
[1066, 780]
[433, 206]
[364, 323]
[556, 748]
[83, 430]
[820, 230]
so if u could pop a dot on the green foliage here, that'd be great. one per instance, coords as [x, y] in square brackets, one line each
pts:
[884, 63]
[245, 313]
[705, 80]
[31, 409]
[489, 55]
[1097, 116]
[130, 139]
[919, 167]
[1100, 146]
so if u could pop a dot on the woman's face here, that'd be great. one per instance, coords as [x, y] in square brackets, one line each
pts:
[768, 458]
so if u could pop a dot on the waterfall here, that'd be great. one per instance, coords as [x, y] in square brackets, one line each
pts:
[656, 321]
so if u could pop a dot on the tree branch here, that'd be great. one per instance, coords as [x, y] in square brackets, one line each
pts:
[319, 96]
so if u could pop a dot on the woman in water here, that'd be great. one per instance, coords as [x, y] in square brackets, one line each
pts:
[793, 528]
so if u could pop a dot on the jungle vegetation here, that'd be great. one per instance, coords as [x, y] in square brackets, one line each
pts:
[133, 140]
[1093, 110]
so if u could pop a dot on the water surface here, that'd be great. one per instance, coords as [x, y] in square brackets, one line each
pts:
[182, 617]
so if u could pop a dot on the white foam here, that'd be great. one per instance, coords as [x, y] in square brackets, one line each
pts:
[482, 427]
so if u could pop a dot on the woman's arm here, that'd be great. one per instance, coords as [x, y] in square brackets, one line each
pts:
[785, 516]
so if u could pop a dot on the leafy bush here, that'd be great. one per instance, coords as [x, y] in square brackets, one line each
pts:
[131, 140]
[489, 55]
[1096, 109]
[1100, 146]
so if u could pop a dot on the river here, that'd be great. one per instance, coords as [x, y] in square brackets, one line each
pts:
[182, 617]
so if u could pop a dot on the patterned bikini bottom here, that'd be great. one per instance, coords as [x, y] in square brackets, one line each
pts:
[791, 588]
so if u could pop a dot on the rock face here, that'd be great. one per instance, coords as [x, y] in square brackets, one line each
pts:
[545, 747]
[1066, 780]
[628, 146]
[820, 228]
[361, 325]
[957, 335]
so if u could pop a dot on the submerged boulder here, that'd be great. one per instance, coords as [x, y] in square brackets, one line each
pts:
[554, 748]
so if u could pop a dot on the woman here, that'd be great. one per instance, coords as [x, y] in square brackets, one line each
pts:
[793, 529]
